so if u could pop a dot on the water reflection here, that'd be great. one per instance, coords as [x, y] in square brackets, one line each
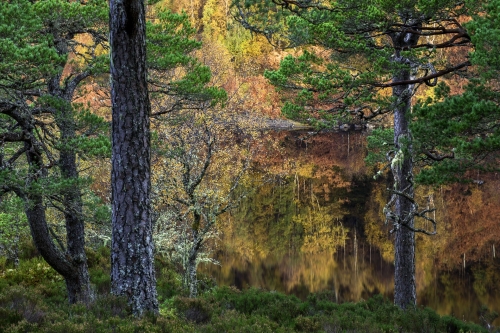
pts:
[318, 226]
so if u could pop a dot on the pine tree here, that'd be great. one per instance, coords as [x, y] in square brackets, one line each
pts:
[352, 52]
[463, 130]
[40, 124]
[132, 261]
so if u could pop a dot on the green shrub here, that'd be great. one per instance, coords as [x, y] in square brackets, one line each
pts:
[307, 324]
[35, 273]
[197, 310]
[101, 279]
[107, 306]
[99, 263]
[28, 249]
[100, 258]
[276, 306]
[18, 303]
[32, 272]
[3, 264]
[33, 299]
[232, 321]
[22, 327]
[206, 283]
[168, 281]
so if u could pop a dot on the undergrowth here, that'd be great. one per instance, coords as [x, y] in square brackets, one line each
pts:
[33, 299]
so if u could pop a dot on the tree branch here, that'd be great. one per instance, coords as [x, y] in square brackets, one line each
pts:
[432, 154]
[424, 78]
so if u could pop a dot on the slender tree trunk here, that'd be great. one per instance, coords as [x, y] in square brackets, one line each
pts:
[404, 261]
[78, 284]
[132, 262]
[35, 213]
[72, 265]
[404, 248]
[193, 253]
[191, 273]
[79, 288]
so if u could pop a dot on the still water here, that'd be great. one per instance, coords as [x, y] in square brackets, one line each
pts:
[315, 224]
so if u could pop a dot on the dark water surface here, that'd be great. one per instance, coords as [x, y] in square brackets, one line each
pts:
[316, 225]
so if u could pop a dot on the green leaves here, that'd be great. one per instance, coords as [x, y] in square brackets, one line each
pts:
[36, 39]
[380, 141]
[170, 41]
[353, 50]
[13, 226]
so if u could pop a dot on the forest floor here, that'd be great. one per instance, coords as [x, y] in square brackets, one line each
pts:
[33, 299]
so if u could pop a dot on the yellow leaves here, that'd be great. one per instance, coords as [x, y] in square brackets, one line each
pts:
[375, 231]
[306, 170]
[84, 50]
[323, 230]
[476, 200]
[255, 47]
[215, 19]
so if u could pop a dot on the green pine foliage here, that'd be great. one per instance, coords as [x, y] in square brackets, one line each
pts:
[50, 48]
[176, 76]
[30, 37]
[27, 56]
[345, 53]
[465, 127]
[14, 229]
[380, 141]
[346, 57]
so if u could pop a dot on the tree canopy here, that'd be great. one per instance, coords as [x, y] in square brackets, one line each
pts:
[462, 130]
[353, 52]
[42, 131]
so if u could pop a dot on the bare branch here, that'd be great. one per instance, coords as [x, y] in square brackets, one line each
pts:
[435, 156]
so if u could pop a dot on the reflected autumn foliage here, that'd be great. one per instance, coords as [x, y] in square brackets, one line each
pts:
[317, 224]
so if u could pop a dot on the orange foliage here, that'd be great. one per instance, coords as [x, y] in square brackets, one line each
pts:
[472, 221]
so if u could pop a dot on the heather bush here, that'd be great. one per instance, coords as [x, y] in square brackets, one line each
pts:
[276, 306]
[18, 303]
[233, 321]
[33, 299]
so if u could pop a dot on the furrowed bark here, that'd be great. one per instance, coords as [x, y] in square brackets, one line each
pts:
[404, 260]
[72, 265]
[404, 256]
[132, 265]
[79, 287]
[35, 213]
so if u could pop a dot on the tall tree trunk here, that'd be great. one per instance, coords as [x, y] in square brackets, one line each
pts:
[72, 265]
[132, 262]
[404, 256]
[404, 261]
[79, 288]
